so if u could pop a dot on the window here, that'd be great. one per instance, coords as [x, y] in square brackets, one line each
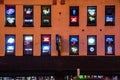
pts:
[74, 45]
[109, 45]
[10, 44]
[109, 15]
[28, 16]
[91, 15]
[10, 15]
[74, 16]
[46, 16]
[45, 45]
[28, 45]
[91, 45]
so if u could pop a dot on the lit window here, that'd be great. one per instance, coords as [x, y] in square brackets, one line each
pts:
[10, 15]
[46, 44]
[91, 16]
[10, 44]
[28, 16]
[74, 45]
[28, 45]
[91, 45]
[109, 15]
[74, 16]
[46, 16]
[109, 45]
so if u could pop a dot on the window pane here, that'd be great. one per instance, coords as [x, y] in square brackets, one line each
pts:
[109, 45]
[45, 44]
[46, 16]
[74, 16]
[91, 45]
[10, 15]
[109, 15]
[28, 16]
[10, 44]
[28, 45]
[91, 15]
[74, 45]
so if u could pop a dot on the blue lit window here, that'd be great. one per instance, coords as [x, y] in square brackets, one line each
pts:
[28, 16]
[45, 45]
[74, 45]
[109, 45]
[109, 15]
[10, 15]
[10, 44]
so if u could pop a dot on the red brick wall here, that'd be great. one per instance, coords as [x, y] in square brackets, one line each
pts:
[60, 25]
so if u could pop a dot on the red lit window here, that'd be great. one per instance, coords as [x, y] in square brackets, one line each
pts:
[45, 45]
[74, 16]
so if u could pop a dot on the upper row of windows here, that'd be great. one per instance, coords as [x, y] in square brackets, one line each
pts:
[28, 20]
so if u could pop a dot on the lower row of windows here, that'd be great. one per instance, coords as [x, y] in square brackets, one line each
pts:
[10, 44]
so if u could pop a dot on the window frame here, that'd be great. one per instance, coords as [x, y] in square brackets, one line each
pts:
[70, 52]
[46, 16]
[24, 54]
[75, 24]
[7, 24]
[25, 16]
[88, 46]
[95, 16]
[110, 23]
[49, 43]
[6, 38]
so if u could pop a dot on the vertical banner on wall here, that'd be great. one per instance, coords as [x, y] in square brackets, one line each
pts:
[10, 42]
[58, 44]
[46, 44]
[74, 16]
[109, 15]
[109, 45]
[46, 16]
[91, 45]
[91, 15]
[10, 15]
[74, 45]
[28, 45]
[28, 15]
